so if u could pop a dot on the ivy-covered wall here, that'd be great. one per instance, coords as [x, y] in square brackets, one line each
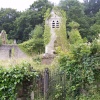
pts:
[55, 30]
[61, 41]
[47, 34]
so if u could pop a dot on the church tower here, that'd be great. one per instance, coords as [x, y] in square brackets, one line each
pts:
[54, 23]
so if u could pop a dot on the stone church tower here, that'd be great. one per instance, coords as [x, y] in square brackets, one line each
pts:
[54, 23]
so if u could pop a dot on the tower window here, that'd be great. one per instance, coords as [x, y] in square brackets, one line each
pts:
[57, 24]
[53, 24]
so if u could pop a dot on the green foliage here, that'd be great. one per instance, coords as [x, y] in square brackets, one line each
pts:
[79, 65]
[7, 17]
[23, 26]
[37, 59]
[10, 41]
[19, 25]
[78, 12]
[95, 47]
[96, 96]
[0, 41]
[47, 14]
[47, 34]
[91, 7]
[37, 32]
[35, 44]
[61, 40]
[74, 35]
[95, 30]
[32, 46]
[73, 25]
[41, 6]
[97, 17]
[26, 22]
[11, 78]
[58, 93]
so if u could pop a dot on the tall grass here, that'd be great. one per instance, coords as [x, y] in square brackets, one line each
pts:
[36, 64]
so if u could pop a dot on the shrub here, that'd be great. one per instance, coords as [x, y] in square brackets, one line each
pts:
[81, 66]
[11, 78]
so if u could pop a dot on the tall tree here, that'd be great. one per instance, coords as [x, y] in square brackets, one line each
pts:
[95, 28]
[74, 35]
[24, 24]
[75, 12]
[29, 19]
[7, 17]
[91, 7]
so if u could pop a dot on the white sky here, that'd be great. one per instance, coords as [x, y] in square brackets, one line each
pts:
[20, 5]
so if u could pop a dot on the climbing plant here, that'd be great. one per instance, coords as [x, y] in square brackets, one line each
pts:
[13, 77]
[47, 14]
[32, 46]
[81, 66]
[35, 44]
[0, 41]
[61, 40]
[47, 34]
[74, 35]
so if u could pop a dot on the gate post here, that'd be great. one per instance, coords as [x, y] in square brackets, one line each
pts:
[46, 83]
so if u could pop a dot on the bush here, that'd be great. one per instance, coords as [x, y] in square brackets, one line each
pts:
[81, 66]
[11, 78]
[36, 43]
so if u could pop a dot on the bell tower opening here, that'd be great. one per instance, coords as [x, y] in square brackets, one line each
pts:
[57, 24]
[53, 24]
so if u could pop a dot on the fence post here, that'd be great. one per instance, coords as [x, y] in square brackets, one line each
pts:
[46, 83]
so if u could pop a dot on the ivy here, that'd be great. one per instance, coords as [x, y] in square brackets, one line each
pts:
[11, 78]
[0, 41]
[61, 40]
[47, 14]
[82, 68]
[32, 46]
[47, 34]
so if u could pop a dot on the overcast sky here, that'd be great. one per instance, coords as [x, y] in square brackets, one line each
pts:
[20, 5]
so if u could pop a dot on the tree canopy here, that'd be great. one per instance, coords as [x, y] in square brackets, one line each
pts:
[19, 25]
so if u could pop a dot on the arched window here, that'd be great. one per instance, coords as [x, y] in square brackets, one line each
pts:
[53, 24]
[57, 24]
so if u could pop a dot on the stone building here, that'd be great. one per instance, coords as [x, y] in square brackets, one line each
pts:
[8, 51]
[54, 23]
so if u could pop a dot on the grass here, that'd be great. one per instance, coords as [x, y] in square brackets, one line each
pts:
[33, 61]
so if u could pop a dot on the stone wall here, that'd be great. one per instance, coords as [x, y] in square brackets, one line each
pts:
[47, 59]
[11, 51]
